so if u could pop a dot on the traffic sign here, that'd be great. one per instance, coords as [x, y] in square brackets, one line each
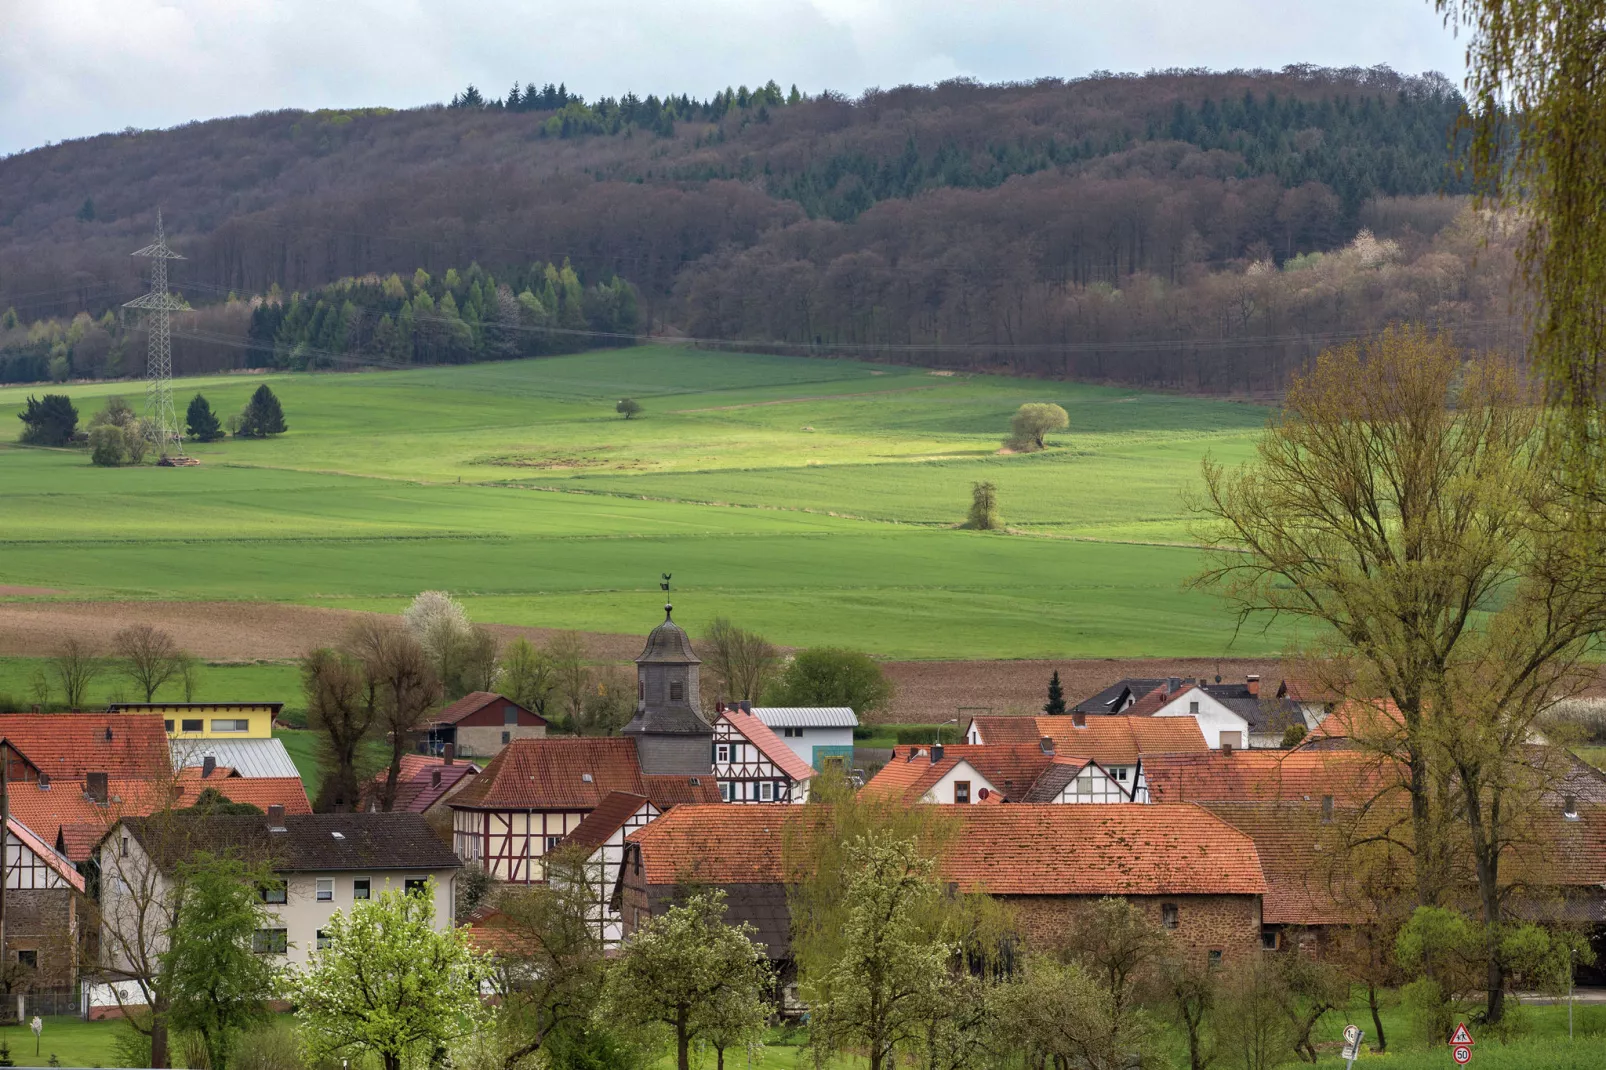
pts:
[1462, 1054]
[1461, 1036]
[1352, 1043]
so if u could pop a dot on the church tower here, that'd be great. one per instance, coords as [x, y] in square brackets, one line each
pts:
[672, 739]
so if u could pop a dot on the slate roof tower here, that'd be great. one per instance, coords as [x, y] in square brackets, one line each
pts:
[672, 739]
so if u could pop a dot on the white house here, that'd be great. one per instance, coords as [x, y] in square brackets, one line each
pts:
[601, 837]
[753, 765]
[817, 734]
[323, 862]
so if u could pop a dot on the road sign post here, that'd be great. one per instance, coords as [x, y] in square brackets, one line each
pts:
[1352, 1045]
[1461, 1045]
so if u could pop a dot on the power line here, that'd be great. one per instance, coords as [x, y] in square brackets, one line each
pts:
[161, 419]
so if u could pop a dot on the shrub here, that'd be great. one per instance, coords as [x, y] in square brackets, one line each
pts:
[1031, 422]
[48, 421]
[983, 508]
[628, 408]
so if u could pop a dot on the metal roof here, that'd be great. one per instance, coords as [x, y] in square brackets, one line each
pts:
[807, 716]
[251, 757]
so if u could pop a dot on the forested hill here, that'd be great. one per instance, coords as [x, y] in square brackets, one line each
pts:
[941, 216]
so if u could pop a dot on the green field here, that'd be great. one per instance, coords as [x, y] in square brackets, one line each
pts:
[814, 500]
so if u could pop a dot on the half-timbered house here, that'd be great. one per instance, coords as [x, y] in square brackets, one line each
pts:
[600, 839]
[753, 765]
[42, 892]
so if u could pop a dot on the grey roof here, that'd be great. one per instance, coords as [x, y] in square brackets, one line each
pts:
[1055, 779]
[308, 843]
[668, 644]
[1264, 712]
[807, 716]
[252, 757]
[1105, 701]
[763, 906]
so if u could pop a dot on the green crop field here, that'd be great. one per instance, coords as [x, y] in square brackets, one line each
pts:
[814, 500]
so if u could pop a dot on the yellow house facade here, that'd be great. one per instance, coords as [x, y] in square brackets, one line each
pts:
[210, 720]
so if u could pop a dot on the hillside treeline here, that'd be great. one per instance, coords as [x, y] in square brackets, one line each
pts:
[960, 215]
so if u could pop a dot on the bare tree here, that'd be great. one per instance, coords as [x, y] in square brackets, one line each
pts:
[399, 672]
[150, 657]
[571, 671]
[610, 701]
[343, 704]
[738, 662]
[76, 664]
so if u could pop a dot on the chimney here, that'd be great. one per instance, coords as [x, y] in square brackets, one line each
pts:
[208, 766]
[1327, 809]
[1226, 749]
[448, 752]
[95, 787]
[1253, 680]
[1569, 807]
[936, 753]
[719, 707]
[746, 705]
[1173, 685]
[108, 733]
[1047, 743]
[1078, 720]
[276, 817]
[435, 778]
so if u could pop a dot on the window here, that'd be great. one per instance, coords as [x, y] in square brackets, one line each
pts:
[190, 724]
[961, 791]
[270, 941]
[1120, 772]
[168, 727]
[414, 885]
[1215, 958]
[510, 715]
[326, 889]
[766, 791]
[793, 733]
[507, 737]
[1168, 915]
[323, 940]
[1193, 707]
[722, 752]
[677, 691]
[273, 893]
[1084, 785]
[359, 888]
[724, 791]
[229, 724]
[552, 842]
[1268, 939]
[29, 959]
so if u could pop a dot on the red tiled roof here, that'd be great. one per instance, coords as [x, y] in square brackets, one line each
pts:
[1109, 739]
[63, 812]
[1381, 718]
[193, 772]
[416, 786]
[1011, 768]
[1307, 867]
[550, 774]
[1115, 849]
[473, 703]
[761, 736]
[1269, 776]
[609, 816]
[69, 745]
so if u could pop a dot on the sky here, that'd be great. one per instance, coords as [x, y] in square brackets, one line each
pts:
[74, 68]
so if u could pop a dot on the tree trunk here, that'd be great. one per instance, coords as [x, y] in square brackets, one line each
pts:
[719, 1058]
[159, 1033]
[1377, 1022]
[682, 1042]
[391, 1060]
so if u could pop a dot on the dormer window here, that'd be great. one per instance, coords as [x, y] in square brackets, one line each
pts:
[677, 691]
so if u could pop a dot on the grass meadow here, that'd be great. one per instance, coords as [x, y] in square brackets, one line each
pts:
[814, 500]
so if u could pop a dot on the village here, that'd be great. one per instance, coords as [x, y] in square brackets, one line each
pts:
[1239, 822]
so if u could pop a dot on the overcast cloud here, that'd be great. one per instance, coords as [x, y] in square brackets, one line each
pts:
[72, 68]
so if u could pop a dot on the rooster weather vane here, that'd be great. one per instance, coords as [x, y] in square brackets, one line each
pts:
[664, 586]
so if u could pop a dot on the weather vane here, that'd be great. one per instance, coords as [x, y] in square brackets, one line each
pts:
[664, 585]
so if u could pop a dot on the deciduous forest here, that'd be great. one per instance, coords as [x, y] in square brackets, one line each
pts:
[1202, 231]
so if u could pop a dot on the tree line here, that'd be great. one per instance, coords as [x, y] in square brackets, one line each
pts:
[609, 115]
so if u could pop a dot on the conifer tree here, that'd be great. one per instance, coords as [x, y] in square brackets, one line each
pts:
[201, 422]
[1056, 696]
[263, 415]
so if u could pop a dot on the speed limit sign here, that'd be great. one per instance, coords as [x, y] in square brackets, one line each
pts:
[1462, 1054]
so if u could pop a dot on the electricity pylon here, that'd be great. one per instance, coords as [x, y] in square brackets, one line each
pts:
[160, 418]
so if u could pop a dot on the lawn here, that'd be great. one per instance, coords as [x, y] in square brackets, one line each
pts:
[73, 1041]
[814, 500]
[214, 683]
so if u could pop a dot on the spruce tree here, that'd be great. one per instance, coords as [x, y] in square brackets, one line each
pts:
[201, 422]
[1056, 696]
[262, 416]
